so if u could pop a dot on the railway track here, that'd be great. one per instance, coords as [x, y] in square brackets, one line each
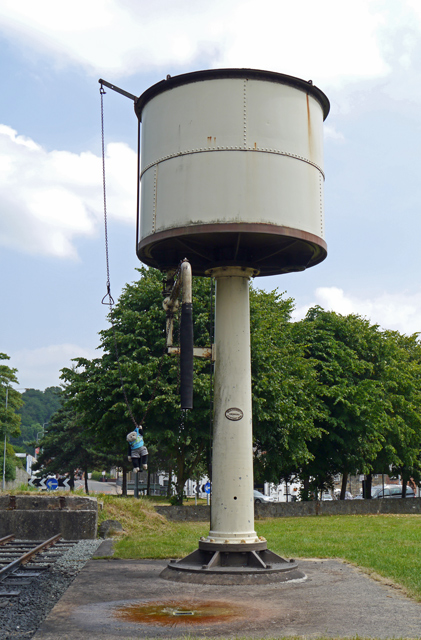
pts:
[23, 561]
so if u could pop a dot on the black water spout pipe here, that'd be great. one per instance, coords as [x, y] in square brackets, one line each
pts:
[186, 338]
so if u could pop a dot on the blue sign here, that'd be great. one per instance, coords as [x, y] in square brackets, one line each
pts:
[207, 487]
[52, 484]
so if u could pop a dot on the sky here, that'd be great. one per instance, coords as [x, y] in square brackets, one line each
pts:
[364, 54]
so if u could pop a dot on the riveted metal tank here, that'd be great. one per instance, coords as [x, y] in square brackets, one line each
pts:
[232, 172]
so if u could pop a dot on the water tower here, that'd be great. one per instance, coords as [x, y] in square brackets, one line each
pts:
[232, 179]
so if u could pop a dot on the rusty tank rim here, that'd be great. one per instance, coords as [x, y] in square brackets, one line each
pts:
[297, 250]
[216, 74]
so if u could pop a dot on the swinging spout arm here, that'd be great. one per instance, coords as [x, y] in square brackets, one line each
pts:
[117, 89]
[186, 338]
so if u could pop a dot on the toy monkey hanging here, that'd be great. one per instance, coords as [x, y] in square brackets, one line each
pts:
[137, 451]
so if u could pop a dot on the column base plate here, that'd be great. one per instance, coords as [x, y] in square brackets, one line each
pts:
[251, 563]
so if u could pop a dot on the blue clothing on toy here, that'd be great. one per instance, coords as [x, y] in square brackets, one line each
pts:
[135, 438]
[137, 451]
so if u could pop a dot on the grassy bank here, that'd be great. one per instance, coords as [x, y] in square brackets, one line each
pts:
[389, 546]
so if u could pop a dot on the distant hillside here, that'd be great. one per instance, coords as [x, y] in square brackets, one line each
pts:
[35, 413]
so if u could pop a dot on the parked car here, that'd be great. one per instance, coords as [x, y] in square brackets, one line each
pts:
[392, 491]
[259, 497]
[326, 496]
[348, 495]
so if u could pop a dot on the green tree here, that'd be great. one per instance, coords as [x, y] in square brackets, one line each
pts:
[38, 407]
[66, 446]
[370, 390]
[287, 411]
[285, 387]
[9, 418]
[401, 453]
[134, 346]
[347, 353]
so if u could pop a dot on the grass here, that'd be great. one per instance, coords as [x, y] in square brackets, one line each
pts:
[148, 534]
[387, 546]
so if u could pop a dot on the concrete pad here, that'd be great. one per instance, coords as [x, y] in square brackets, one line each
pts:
[119, 599]
[105, 549]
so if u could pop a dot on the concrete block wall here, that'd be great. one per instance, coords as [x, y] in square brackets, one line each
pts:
[201, 513]
[22, 477]
[38, 517]
[338, 507]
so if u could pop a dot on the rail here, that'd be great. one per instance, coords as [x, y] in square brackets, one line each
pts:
[14, 573]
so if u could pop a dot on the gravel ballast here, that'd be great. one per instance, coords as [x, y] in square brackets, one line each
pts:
[20, 616]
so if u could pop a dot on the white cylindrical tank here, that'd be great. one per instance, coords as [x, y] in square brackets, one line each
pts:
[232, 171]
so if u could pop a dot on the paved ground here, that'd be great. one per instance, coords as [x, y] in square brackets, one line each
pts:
[118, 599]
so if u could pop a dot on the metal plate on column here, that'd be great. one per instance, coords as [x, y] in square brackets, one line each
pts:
[234, 413]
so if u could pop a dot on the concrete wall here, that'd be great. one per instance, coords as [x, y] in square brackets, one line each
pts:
[199, 513]
[38, 517]
[22, 477]
[298, 509]
[338, 507]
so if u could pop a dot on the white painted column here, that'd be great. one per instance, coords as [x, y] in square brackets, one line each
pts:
[232, 515]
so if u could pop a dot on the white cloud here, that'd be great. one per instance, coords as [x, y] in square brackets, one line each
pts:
[328, 40]
[394, 311]
[40, 368]
[49, 198]
[331, 134]
[113, 35]
[305, 38]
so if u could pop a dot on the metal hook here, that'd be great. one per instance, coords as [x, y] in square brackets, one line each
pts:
[108, 294]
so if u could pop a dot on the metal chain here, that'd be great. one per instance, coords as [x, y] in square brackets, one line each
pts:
[104, 192]
[108, 295]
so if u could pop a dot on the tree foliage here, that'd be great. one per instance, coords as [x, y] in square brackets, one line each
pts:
[331, 393]
[10, 403]
[286, 406]
[38, 407]
[67, 446]
[369, 386]
[134, 346]
[402, 381]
